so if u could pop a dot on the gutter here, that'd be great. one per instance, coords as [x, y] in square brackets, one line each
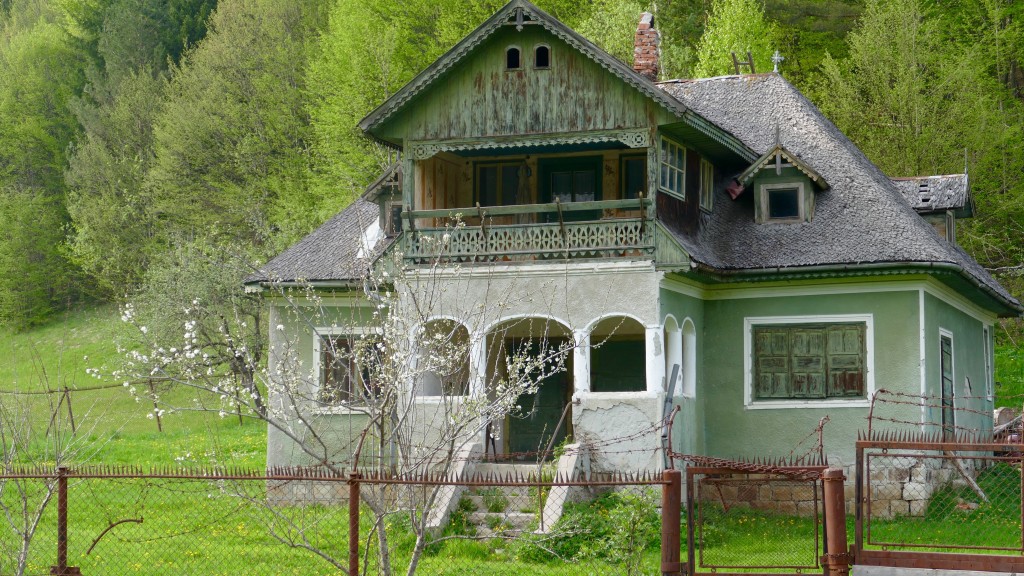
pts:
[827, 268]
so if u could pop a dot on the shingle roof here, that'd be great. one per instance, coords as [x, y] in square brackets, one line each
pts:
[935, 193]
[861, 219]
[338, 251]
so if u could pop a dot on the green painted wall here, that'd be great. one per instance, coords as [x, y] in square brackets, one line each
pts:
[688, 429]
[480, 98]
[292, 349]
[734, 430]
[973, 408]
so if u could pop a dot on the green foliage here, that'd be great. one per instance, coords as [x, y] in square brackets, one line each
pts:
[107, 200]
[616, 527]
[230, 138]
[39, 73]
[612, 26]
[495, 500]
[738, 26]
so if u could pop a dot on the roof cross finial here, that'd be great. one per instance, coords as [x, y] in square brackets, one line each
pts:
[777, 59]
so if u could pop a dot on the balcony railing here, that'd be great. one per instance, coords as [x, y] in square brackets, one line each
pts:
[481, 235]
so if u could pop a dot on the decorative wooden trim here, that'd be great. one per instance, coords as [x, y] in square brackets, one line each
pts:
[637, 138]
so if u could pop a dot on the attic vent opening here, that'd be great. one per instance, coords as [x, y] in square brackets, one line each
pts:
[542, 57]
[512, 58]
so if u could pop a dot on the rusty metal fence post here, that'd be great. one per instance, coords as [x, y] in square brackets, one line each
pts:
[671, 499]
[62, 568]
[837, 557]
[353, 524]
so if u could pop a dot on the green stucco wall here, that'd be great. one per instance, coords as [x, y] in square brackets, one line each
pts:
[688, 427]
[973, 410]
[731, 429]
[291, 349]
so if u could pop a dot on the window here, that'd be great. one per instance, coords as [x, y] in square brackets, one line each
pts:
[349, 367]
[393, 226]
[946, 375]
[707, 184]
[542, 57]
[634, 176]
[498, 184]
[783, 202]
[673, 167]
[512, 58]
[801, 361]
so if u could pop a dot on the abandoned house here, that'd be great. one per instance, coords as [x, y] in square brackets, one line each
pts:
[723, 226]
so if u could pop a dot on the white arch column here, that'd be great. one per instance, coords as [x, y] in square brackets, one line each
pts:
[655, 356]
[581, 364]
[478, 364]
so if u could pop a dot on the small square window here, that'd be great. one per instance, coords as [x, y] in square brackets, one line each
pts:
[783, 203]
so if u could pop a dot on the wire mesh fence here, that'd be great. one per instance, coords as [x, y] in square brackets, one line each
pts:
[246, 522]
[768, 521]
[950, 501]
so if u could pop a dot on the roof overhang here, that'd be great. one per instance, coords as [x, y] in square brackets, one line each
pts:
[778, 158]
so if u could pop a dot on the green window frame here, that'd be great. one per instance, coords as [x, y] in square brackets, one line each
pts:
[809, 361]
[672, 173]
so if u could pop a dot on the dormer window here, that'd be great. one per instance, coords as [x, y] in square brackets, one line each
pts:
[542, 57]
[513, 59]
[783, 202]
[784, 187]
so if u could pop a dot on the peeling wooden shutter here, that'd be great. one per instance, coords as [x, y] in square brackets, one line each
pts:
[846, 360]
[771, 361]
[808, 366]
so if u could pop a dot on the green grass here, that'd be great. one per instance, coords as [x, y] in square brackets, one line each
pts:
[113, 427]
[996, 524]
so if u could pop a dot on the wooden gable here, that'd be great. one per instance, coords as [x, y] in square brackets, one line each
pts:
[481, 97]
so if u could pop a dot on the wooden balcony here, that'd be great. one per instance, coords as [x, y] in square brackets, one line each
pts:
[553, 231]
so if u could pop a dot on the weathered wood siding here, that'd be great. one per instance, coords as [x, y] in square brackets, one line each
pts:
[480, 98]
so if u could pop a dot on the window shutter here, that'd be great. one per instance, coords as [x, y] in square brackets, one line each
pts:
[771, 357]
[846, 360]
[808, 354]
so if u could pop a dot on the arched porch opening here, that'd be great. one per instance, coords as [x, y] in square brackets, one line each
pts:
[529, 369]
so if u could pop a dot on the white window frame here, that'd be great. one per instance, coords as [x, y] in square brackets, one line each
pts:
[990, 389]
[707, 185]
[670, 170]
[945, 333]
[766, 203]
[319, 333]
[748, 363]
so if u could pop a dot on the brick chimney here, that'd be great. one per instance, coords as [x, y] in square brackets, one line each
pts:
[646, 48]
